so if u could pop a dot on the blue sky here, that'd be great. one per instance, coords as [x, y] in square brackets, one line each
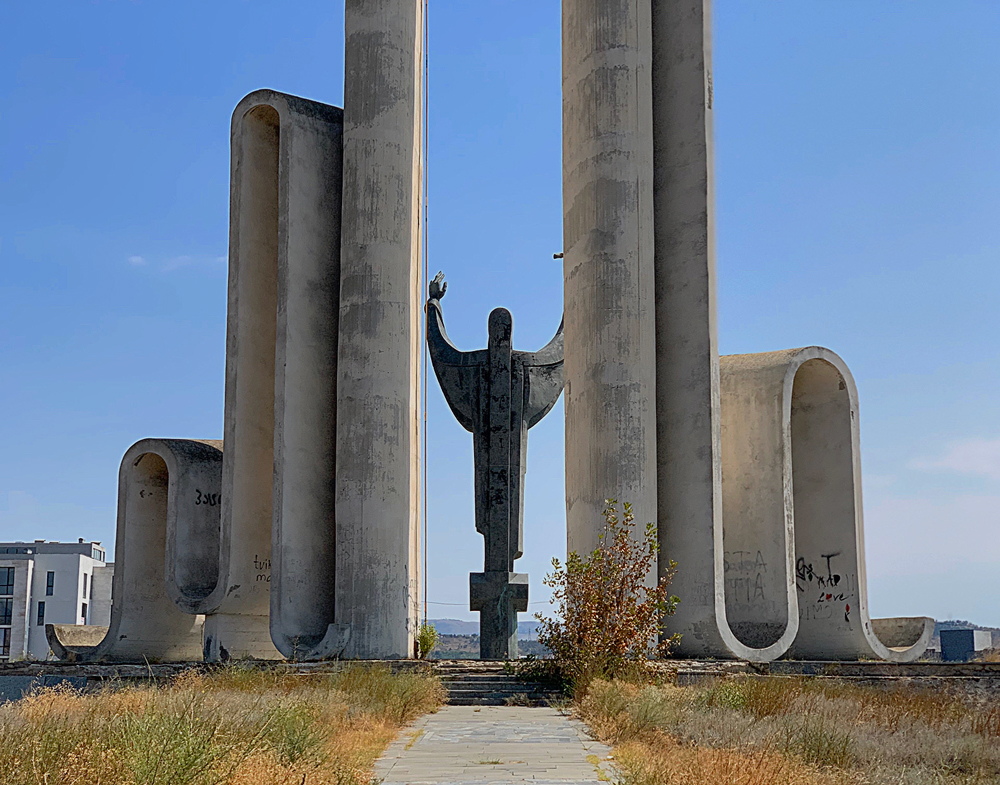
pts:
[858, 173]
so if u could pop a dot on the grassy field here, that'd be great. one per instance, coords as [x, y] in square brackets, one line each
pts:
[237, 726]
[794, 732]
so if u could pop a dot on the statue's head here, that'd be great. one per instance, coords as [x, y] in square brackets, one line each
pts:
[500, 325]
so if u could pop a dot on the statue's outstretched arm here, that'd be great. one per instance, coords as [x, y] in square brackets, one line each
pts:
[441, 348]
[456, 371]
[545, 378]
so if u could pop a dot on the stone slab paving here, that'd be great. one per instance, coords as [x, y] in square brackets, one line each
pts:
[494, 745]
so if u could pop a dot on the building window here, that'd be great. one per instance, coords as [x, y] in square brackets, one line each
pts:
[83, 612]
[6, 581]
[50, 583]
[6, 610]
[41, 613]
[85, 585]
[5, 642]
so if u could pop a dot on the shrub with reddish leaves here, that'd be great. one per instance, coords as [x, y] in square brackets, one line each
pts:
[609, 620]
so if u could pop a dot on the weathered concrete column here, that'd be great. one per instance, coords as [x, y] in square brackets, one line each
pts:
[378, 362]
[165, 548]
[608, 264]
[303, 539]
[280, 419]
[687, 356]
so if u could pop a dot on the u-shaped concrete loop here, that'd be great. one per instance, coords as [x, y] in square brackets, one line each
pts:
[792, 510]
[165, 553]
[277, 549]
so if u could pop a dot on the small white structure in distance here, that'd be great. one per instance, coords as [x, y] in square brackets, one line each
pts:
[49, 583]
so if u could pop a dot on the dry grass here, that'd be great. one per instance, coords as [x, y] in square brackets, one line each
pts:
[747, 731]
[234, 727]
[668, 762]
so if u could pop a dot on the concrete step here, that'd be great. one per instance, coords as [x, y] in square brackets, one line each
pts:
[478, 683]
[505, 689]
[485, 681]
[506, 700]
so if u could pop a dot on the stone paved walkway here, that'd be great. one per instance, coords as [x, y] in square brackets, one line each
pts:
[494, 745]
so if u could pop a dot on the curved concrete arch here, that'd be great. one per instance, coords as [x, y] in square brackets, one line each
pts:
[276, 592]
[167, 534]
[758, 535]
[791, 485]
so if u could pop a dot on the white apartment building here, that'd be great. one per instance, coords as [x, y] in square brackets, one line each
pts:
[49, 583]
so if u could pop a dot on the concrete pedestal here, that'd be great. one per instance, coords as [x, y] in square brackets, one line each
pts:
[165, 554]
[377, 465]
[498, 596]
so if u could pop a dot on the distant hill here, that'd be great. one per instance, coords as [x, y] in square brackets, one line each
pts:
[525, 629]
[466, 647]
[960, 624]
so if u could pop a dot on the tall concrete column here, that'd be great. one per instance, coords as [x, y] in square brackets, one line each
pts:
[276, 556]
[687, 355]
[238, 609]
[377, 498]
[608, 264]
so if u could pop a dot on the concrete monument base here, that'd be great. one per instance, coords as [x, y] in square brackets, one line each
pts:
[498, 596]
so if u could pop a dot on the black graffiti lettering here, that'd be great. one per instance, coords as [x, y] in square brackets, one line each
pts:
[832, 580]
[207, 499]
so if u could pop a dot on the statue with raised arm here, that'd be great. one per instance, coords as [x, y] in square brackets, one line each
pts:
[498, 394]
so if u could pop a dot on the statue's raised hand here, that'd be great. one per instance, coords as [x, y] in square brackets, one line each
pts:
[438, 287]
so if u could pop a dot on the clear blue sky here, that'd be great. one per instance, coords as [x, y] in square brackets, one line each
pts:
[858, 166]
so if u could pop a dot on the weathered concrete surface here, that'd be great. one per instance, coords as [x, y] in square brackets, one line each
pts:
[281, 376]
[687, 357]
[166, 515]
[305, 407]
[377, 469]
[497, 394]
[914, 632]
[462, 744]
[793, 515]
[498, 596]
[608, 264]
[67, 640]
[758, 514]
[834, 622]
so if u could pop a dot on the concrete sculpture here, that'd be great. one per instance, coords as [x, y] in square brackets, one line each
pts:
[638, 102]
[301, 540]
[641, 357]
[791, 478]
[165, 554]
[497, 394]
[281, 375]
[377, 453]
